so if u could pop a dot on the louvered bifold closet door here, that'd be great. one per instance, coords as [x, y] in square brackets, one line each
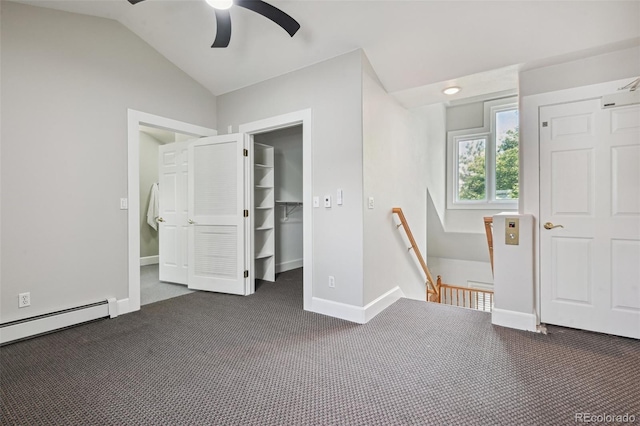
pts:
[216, 206]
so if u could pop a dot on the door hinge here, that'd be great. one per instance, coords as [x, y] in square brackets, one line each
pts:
[245, 152]
[246, 213]
[246, 274]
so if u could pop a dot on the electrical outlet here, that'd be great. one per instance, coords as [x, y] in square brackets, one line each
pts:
[24, 300]
[370, 202]
[332, 281]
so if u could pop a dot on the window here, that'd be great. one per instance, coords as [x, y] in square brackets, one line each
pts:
[484, 161]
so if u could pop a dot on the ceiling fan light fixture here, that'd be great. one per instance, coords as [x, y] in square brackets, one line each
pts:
[220, 4]
[451, 90]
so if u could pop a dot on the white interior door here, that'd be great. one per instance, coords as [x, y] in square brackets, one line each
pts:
[590, 185]
[216, 211]
[173, 211]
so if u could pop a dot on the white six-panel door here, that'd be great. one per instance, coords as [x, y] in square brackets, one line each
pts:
[216, 205]
[590, 190]
[173, 211]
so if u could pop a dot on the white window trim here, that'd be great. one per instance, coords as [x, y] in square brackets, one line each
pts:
[488, 131]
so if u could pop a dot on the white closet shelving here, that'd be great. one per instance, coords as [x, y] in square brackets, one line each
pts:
[264, 211]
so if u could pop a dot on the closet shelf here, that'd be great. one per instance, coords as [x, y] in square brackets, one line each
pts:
[263, 207]
[262, 166]
[264, 255]
[289, 203]
[264, 228]
[264, 186]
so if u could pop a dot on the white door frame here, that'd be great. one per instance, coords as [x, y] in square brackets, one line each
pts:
[135, 119]
[280, 122]
[530, 154]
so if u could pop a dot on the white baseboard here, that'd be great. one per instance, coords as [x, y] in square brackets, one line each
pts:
[513, 319]
[357, 314]
[381, 303]
[124, 306]
[22, 329]
[289, 265]
[149, 260]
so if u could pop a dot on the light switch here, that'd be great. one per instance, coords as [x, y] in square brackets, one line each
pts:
[370, 202]
[327, 201]
[512, 231]
[339, 197]
[316, 202]
[124, 204]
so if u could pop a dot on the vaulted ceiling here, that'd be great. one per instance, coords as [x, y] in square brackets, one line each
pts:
[416, 47]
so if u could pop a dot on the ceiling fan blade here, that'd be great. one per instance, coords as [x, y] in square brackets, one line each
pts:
[223, 28]
[289, 24]
[135, 1]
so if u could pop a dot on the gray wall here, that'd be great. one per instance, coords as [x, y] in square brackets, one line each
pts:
[67, 81]
[287, 145]
[395, 157]
[148, 176]
[333, 90]
[594, 69]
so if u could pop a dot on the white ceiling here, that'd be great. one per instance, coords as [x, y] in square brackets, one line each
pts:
[416, 47]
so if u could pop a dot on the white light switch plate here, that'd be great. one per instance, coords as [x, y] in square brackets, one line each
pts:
[316, 202]
[370, 202]
[124, 204]
[339, 197]
[327, 201]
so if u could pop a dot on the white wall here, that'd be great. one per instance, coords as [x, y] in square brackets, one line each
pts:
[395, 156]
[454, 245]
[461, 272]
[67, 81]
[332, 90]
[287, 145]
[148, 176]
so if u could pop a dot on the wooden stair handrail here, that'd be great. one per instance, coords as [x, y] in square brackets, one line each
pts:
[416, 251]
[488, 229]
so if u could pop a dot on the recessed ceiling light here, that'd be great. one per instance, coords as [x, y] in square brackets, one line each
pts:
[220, 4]
[451, 90]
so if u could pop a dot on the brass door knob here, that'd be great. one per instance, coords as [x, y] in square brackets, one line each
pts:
[191, 222]
[550, 225]
[159, 219]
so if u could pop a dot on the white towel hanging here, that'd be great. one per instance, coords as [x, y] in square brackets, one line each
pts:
[153, 211]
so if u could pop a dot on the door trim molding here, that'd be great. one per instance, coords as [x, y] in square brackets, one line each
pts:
[280, 122]
[530, 154]
[134, 120]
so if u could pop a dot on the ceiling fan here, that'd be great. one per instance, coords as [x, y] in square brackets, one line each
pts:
[223, 18]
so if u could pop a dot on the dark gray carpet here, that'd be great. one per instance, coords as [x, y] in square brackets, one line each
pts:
[212, 359]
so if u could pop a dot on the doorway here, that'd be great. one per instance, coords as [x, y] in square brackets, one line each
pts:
[136, 119]
[280, 237]
[299, 121]
[163, 166]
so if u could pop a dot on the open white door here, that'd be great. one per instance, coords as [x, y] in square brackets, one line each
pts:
[216, 214]
[173, 210]
[590, 204]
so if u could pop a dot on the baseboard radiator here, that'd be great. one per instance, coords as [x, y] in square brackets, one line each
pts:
[13, 331]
